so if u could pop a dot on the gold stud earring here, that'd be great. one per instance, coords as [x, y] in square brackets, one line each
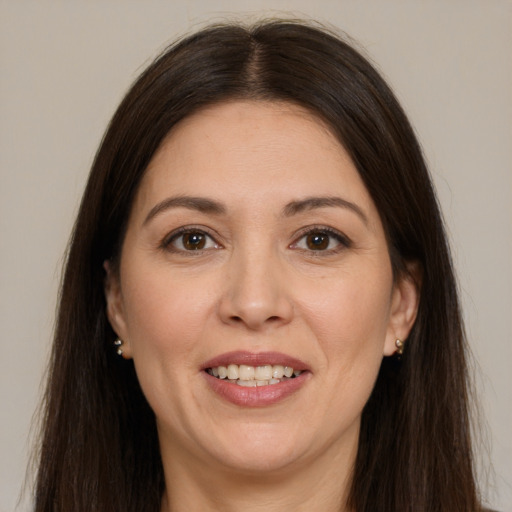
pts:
[399, 344]
[118, 343]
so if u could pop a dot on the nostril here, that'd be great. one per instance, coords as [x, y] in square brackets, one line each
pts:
[238, 319]
[256, 312]
[254, 323]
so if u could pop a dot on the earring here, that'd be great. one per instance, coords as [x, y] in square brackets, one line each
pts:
[399, 344]
[118, 343]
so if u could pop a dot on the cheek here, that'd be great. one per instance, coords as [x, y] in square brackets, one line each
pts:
[353, 307]
[165, 320]
[164, 314]
[350, 317]
[352, 335]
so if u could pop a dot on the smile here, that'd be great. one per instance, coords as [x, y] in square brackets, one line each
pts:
[252, 376]
[250, 379]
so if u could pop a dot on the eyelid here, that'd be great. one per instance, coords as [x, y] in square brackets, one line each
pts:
[343, 240]
[167, 241]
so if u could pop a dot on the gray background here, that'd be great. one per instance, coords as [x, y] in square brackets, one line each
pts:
[64, 66]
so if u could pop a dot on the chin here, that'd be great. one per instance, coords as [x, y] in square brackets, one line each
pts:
[260, 462]
[257, 449]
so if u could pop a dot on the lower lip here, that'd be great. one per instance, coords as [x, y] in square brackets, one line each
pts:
[259, 396]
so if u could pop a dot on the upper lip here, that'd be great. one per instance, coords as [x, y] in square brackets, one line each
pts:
[255, 359]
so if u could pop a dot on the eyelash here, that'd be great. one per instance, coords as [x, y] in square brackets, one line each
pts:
[342, 241]
[168, 241]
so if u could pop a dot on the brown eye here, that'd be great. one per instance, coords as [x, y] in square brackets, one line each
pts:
[322, 240]
[193, 241]
[190, 240]
[317, 241]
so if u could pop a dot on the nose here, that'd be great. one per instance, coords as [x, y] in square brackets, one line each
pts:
[255, 293]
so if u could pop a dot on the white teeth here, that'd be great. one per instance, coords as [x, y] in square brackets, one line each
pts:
[246, 372]
[288, 371]
[254, 383]
[233, 371]
[247, 383]
[263, 372]
[277, 371]
[250, 376]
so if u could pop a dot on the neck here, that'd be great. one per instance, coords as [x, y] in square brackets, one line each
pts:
[321, 484]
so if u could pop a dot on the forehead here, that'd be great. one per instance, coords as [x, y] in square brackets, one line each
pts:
[252, 152]
[235, 127]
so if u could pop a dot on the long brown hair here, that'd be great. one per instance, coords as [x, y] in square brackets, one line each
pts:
[99, 447]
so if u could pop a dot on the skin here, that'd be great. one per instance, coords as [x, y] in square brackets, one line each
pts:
[256, 285]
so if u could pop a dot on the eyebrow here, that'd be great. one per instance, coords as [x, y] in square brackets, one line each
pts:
[210, 206]
[200, 204]
[311, 203]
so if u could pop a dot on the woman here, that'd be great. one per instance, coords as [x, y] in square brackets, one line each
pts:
[258, 308]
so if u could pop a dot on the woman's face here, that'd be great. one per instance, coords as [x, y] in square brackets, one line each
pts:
[253, 245]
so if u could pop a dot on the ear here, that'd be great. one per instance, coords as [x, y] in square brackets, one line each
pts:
[404, 306]
[115, 311]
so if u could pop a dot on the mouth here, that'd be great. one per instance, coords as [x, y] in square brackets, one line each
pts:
[253, 376]
[255, 380]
